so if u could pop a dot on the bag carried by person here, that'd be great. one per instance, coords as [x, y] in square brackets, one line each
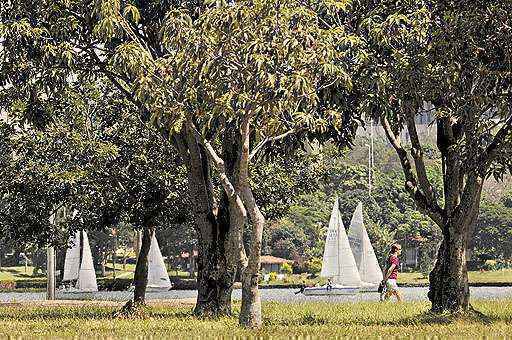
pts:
[382, 286]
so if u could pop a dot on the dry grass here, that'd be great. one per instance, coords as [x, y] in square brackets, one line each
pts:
[313, 320]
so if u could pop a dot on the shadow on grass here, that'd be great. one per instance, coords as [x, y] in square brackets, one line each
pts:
[425, 318]
[52, 313]
[308, 318]
[429, 318]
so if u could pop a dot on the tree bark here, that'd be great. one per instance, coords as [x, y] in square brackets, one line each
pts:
[102, 266]
[215, 277]
[140, 278]
[191, 263]
[250, 313]
[449, 289]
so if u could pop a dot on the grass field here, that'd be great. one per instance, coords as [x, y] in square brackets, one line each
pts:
[487, 277]
[474, 277]
[313, 320]
[19, 273]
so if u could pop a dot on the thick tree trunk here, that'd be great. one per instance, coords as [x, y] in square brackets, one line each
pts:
[140, 278]
[214, 286]
[215, 273]
[449, 290]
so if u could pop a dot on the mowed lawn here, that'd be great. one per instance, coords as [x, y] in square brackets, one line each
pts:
[496, 276]
[19, 273]
[316, 320]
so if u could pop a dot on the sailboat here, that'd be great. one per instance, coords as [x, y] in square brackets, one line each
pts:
[158, 278]
[338, 265]
[367, 264]
[79, 274]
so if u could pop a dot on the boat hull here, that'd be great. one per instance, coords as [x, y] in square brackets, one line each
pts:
[158, 289]
[153, 289]
[334, 290]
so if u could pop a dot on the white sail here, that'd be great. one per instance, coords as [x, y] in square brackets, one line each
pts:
[87, 274]
[72, 260]
[158, 278]
[338, 261]
[362, 248]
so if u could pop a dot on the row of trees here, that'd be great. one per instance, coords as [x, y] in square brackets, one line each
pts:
[155, 110]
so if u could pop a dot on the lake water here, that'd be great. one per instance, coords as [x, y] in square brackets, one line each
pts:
[279, 295]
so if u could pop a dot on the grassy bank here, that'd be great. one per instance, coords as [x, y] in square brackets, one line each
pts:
[26, 282]
[318, 320]
[496, 276]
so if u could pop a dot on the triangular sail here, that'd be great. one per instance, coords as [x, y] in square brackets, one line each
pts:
[157, 272]
[72, 260]
[338, 261]
[366, 261]
[87, 274]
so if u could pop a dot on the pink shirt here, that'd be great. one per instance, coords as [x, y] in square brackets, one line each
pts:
[393, 259]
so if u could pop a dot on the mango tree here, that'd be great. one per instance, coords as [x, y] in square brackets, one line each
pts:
[452, 60]
[255, 71]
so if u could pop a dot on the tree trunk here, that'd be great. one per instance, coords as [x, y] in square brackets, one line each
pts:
[103, 267]
[250, 313]
[136, 242]
[214, 282]
[216, 272]
[449, 289]
[192, 264]
[140, 278]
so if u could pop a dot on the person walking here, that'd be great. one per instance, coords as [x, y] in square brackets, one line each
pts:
[391, 274]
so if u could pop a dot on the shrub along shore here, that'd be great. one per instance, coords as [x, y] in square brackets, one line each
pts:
[498, 278]
[317, 320]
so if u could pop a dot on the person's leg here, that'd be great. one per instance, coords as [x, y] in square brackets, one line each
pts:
[398, 295]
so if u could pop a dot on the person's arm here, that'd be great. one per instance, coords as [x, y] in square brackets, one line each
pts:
[388, 273]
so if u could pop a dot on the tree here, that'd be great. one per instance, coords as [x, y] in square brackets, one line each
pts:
[58, 40]
[86, 160]
[124, 44]
[492, 237]
[453, 55]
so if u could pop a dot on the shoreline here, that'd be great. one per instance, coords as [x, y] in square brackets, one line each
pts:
[237, 285]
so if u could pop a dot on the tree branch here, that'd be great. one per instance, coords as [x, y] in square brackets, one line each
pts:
[499, 142]
[216, 159]
[270, 140]
[452, 174]
[426, 206]
[417, 154]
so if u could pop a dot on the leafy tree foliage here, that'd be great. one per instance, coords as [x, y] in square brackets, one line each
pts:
[419, 53]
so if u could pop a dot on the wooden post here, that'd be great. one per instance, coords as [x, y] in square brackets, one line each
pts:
[50, 273]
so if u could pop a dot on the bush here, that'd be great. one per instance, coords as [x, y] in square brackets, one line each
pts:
[31, 283]
[286, 268]
[114, 284]
[314, 265]
[273, 277]
[7, 285]
[490, 265]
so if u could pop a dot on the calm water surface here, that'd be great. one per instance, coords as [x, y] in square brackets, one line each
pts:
[280, 295]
